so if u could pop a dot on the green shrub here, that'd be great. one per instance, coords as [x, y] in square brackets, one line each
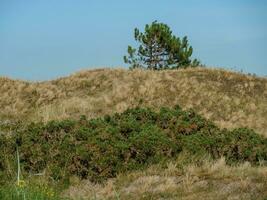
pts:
[236, 146]
[101, 148]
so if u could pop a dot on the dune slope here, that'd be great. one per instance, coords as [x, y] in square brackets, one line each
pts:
[229, 99]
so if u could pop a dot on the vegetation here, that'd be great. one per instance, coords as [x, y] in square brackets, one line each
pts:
[187, 177]
[99, 149]
[28, 192]
[159, 49]
[230, 99]
[145, 150]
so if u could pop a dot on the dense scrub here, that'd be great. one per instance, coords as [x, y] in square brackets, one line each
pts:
[103, 147]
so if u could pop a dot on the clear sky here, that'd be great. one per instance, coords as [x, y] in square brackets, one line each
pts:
[41, 40]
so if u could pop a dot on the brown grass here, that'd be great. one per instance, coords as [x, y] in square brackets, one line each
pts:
[208, 180]
[230, 99]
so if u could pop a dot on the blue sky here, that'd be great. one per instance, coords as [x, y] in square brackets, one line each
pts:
[42, 40]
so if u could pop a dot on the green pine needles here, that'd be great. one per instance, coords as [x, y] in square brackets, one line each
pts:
[159, 49]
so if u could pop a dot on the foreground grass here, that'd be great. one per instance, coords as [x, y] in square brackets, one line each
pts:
[186, 178]
[28, 191]
[230, 99]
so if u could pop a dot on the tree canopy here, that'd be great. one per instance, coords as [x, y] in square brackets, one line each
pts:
[159, 49]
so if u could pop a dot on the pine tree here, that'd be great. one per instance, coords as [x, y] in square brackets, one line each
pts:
[159, 49]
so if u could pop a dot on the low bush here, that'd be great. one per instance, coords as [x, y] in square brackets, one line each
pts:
[101, 148]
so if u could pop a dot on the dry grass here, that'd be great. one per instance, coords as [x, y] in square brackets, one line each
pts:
[208, 180]
[230, 99]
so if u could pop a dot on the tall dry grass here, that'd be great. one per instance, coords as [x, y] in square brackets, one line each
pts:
[229, 99]
[198, 180]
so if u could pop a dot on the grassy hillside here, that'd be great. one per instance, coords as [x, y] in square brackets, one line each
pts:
[229, 99]
[102, 146]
